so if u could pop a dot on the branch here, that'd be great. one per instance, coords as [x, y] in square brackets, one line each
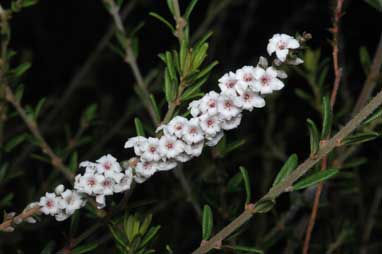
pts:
[180, 22]
[25, 214]
[301, 170]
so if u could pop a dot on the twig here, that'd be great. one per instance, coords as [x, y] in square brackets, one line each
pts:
[337, 80]
[25, 214]
[33, 127]
[301, 170]
[180, 22]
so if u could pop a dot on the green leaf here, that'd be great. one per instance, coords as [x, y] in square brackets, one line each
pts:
[85, 248]
[89, 114]
[190, 92]
[364, 58]
[74, 222]
[199, 55]
[233, 146]
[28, 3]
[327, 117]
[264, 205]
[163, 20]
[377, 4]
[170, 66]
[129, 228]
[155, 106]
[234, 183]
[117, 236]
[207, 222]
[38, 108]
[150, 235]
[286, 169]
[169, 87]
[73, 164]
[315, 178]
[170, 6]
[247, 249]
[247, 185]
[21, 69]
[145, 224]
[14, 142]
[377, 114]
[202, 40]
[48, 249]
[313, 136]
[360, 138]
[139, 127]
[189, 9]
[183, 53]
[207, 70]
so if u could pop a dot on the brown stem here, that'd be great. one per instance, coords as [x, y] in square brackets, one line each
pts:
[301, 170]
[180, 22]
[337, 80]
[25, 214]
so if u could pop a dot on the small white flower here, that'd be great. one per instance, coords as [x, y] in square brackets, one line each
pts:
[49, 204]
[266, 81]
[107, 187]
[193, 133]
[151, 150]
[210, 124]
[213, 140]
[101, 202]
[263, 62]
[246, 77]
[176, 126]
[167, 165]
[194, 107]
[232, 123]
[89, 183]
[183, 157]
[194, 150]
[59, 189]
[146, 168]
[70, 201]
[281, 43]
[137, 143]
[228, 83]
[109, 166]
[125, 182]
[250, 100]
[228, 106]
[208, 104]
[170, 147]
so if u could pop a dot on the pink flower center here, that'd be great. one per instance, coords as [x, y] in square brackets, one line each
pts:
[170, 145]
[178, 126]
[248, 77]
[228, 105]
[281, 45]
[212, 103]
[210, 122]
[50, 203]
[91, 182]
[193, 130]
[106, 183]
[231, 83]
[247, 97]
[146, 165]
[265, 79]
[107, 165]
[152, 149]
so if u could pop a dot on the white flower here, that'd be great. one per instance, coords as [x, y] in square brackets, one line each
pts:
[90, 167]
[89, 183]
[193, 133]
[137, 143]
[208, 104]
[151, 150]
[246, 77]
[194, 107]
[61, 216]
[228, 83]
[228, 106]
[138, 178]
[232, 123]
[146, 168]
[250, 100]
[49, 204]
[176, 126]
[183, 157]
[167, 165]
[107, 187]
[59, 189]
[210, 124]
[267, 81]
[194, 150]
[109, 166]
[281, 43]
[70, 201]
[101, 202]
[125, 182]
[170, 147]
[213, 140]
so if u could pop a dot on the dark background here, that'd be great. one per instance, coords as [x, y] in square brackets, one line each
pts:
[58, 37]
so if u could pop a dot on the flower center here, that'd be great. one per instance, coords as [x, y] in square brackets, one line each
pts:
[107, 165]
[228, 105]
[50, 203]
[281, 45]
[178, 126]
[210, 122]
[152, 149]
[231, 83]
[265, 79]
[247, 97]
[91, 182]
[106, 183]
[193, 130]
[170, 145]
[212, 103]
[248, 77]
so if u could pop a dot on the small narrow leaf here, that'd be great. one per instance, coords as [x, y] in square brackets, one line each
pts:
[234, 183]
[313, 136]
[190, 92]
[163, 20]
[264, 205]
[207, 222]
[315, 178]
[139, 127]
[286, 169]
[189, 9]
[326, 117]
[247, 184]
[360, 138]
[150, 235]
[377, 114]
[155, 107]
[85, 248]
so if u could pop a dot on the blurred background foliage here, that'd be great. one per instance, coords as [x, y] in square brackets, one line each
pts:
[90, 105]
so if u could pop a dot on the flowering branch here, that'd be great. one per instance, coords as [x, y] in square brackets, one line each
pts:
[301, 170]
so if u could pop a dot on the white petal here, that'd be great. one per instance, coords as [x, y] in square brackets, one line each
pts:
[276, 84]
[293, 44]
[282, 54]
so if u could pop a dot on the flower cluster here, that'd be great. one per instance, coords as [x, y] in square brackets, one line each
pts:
[180, 139]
